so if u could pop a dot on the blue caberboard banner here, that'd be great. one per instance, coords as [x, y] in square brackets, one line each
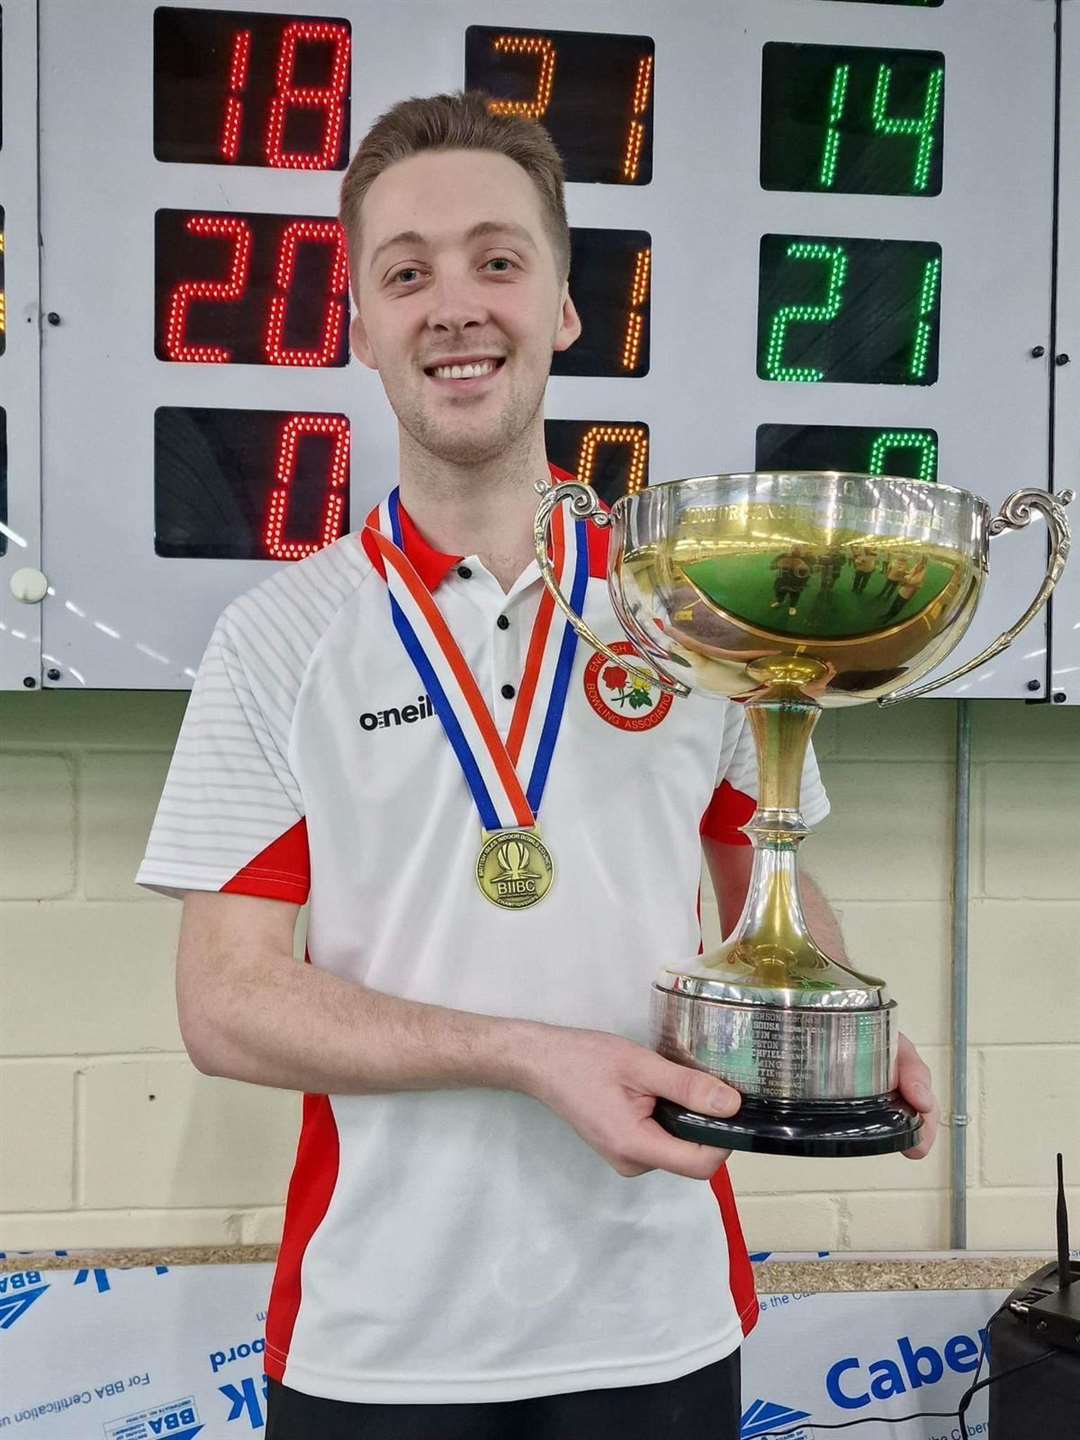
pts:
[171, 1353]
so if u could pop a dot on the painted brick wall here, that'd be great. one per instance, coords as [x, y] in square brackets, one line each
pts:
[110, 1137]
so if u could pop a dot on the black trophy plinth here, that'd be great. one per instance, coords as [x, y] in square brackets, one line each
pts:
[877, 1125]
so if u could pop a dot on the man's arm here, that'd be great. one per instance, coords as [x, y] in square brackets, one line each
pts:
[729, 867]
[249, 1011]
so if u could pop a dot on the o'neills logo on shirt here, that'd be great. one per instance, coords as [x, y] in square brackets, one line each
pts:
[406, 715]
[619, 697]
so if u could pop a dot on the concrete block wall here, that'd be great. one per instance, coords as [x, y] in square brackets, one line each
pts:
[110, 1137]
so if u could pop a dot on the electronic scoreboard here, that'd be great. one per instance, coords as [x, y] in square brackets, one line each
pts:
[805, 234]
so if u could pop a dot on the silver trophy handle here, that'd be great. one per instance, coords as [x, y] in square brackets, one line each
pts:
[1014, 514]
[585, 505]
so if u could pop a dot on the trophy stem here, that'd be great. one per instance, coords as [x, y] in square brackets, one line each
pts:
[771, 939]
[781, 727]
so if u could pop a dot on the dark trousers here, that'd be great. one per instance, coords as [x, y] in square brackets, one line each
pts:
[701, 1406]
[785, 591]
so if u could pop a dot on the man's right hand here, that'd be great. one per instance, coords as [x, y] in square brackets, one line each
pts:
[606, 1087]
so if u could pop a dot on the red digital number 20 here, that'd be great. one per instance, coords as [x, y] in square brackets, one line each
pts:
[232, 287]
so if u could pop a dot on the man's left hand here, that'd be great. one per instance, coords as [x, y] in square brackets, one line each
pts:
[914, 1082]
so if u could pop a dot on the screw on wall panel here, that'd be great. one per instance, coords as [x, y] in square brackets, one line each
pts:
[1061, 359]
[1060, 697]
[53, 674]
[29, 681]
[53, 318]
[1038, 351]
[1034, 684]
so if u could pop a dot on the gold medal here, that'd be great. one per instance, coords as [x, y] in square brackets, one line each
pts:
[514, 868]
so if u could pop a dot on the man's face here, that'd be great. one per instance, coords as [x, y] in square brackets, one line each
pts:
[443, 294]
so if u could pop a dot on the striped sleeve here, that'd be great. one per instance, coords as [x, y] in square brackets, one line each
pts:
[231, 816]
[735, 797]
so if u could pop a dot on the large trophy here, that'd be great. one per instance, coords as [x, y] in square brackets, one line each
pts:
[787, 592]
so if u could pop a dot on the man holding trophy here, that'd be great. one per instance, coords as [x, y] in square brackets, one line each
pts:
[496, 1225]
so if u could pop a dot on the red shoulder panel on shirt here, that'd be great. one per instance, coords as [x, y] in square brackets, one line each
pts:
[280, 872]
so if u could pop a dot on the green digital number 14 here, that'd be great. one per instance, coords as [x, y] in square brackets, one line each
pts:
[920, 127]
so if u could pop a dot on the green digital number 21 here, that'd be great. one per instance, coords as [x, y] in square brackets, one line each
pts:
[836, 259]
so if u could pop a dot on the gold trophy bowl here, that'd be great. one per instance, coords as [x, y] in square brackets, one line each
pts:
[788, 592]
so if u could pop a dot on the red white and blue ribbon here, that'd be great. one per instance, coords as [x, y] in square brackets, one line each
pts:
[490, 764]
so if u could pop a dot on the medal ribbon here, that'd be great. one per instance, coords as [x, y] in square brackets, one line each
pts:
[489, 764]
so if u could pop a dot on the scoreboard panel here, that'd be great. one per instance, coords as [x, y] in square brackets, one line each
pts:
[809, 225]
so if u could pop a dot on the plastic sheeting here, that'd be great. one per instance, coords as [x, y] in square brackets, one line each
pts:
[147, 1353]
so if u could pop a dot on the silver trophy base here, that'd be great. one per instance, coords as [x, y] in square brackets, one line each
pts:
[775, 1052]
[815, 1080]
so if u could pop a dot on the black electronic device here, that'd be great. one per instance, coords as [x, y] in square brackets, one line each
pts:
[1048, 1302]
[1036, 1333]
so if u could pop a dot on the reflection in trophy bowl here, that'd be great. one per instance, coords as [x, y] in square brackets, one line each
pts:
[843, 586]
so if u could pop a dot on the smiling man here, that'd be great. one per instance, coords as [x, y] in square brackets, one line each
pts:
[460, 281]
[486, 1233]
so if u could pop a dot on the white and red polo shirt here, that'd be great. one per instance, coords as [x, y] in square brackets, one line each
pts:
[464, 1245]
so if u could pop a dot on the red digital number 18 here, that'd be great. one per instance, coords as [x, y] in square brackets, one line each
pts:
[329, 98]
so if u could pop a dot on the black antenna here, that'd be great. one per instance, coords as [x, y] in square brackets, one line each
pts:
[1063, 1266]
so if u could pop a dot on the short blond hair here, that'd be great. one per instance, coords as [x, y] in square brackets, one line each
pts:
[460, 120]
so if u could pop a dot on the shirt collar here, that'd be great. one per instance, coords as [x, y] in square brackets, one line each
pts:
[433, 565]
